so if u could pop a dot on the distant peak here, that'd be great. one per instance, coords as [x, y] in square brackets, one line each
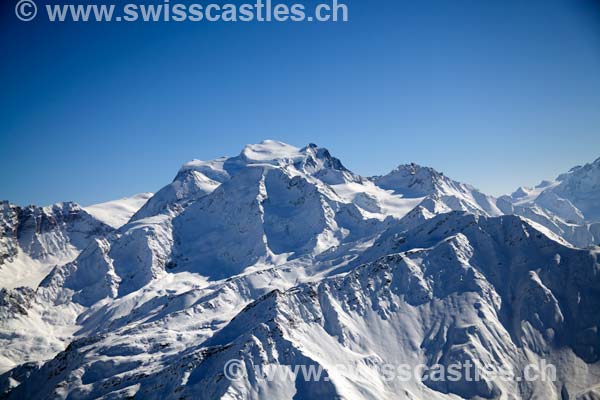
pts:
[578, 170]
[543, 184]
[522, 191]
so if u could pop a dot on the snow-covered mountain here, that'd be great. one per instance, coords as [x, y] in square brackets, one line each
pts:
[568, 206]
[33, 239]
[282, 256]
[33, 242]
[439, 193]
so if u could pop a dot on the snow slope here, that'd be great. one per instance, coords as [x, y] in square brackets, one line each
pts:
[116, 213]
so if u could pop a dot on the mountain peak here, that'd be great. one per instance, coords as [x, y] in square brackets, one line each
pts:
[269, 151]
[592, 168]
[414, 169]
[412, 180]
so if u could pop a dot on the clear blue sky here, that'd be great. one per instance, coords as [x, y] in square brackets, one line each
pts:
[493, 93]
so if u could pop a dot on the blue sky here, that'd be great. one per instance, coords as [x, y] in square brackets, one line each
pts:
[493, 93]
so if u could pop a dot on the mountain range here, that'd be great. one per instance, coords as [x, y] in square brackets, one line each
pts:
[283, 256]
